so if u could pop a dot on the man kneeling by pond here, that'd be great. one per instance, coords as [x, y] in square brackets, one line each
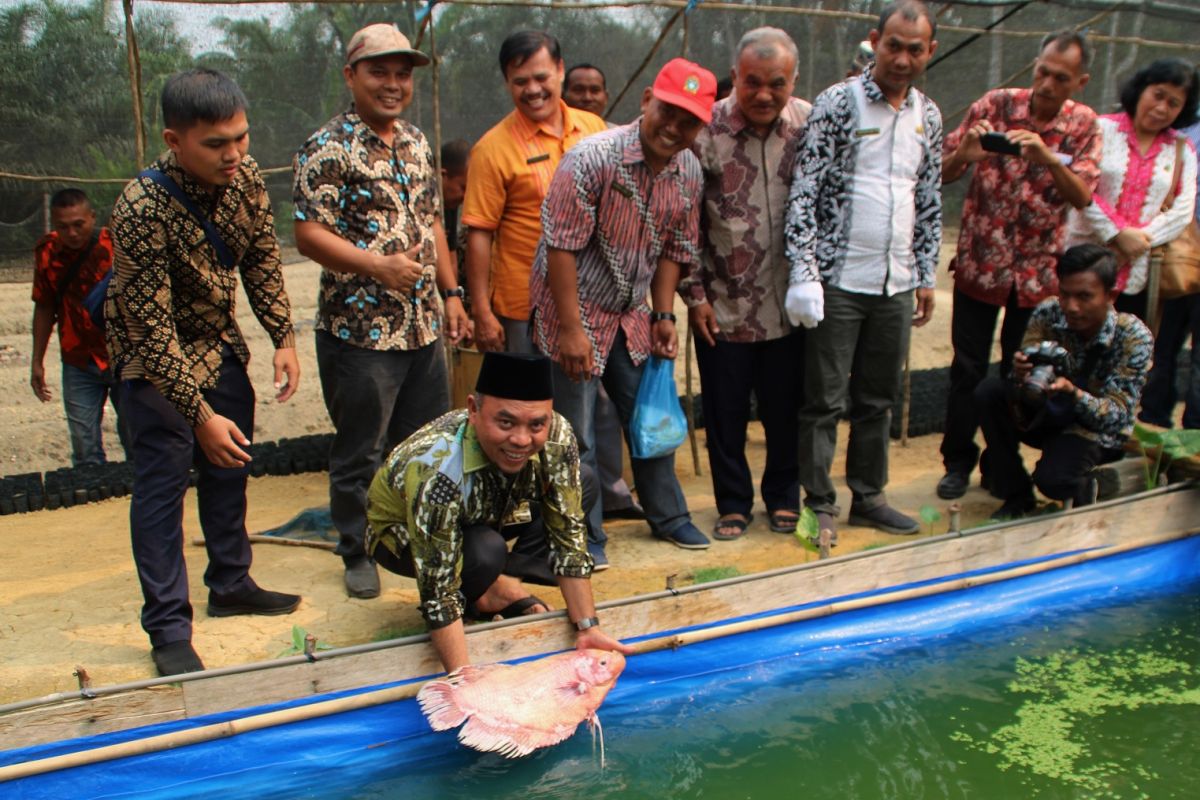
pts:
[447, 502]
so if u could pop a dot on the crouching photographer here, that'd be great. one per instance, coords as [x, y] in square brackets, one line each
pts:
[1073, 389]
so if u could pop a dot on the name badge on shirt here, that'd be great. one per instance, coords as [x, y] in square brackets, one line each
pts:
[518, 515]
[538, 158]
[619, 189]
[866, 132]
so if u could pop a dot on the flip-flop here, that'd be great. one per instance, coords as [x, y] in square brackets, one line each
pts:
[517, 608]
[783, 520]
[728, 521]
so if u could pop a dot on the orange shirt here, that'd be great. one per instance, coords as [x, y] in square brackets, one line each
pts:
[82, 343]
[510, 171]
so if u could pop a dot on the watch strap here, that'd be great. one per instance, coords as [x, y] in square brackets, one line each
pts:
[588, 622]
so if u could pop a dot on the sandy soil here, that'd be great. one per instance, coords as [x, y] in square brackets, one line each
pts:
[69, 594]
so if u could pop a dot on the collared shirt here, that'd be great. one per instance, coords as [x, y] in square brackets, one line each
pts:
[619, 218]
[822, 206]
[1130, 194]
[383, 199]
[743, 270]
[81, 342]
[1014, 219]
[439, 481]
[1110, 369]
[170, 305]
[511, 169]
[1193, 133]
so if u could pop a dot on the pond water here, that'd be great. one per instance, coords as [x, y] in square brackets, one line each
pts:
[1097, 703]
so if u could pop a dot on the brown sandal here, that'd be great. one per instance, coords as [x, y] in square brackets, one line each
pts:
[783, 520]
[731, 522]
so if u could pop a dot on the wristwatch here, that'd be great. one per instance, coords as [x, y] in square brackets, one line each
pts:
[457, 291]
[659, 316]
[589, 622]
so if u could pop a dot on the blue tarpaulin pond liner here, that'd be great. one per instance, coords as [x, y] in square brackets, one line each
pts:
[395, 740]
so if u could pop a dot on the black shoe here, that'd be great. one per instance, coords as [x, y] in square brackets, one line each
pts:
[362, 579]
[633, 511]
[953, 485]
[176, 658]
[1015, 508]
[884, 518]
[251, 601]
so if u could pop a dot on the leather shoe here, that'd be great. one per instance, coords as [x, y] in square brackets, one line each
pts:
[953, 485]
[1015, 508]
[362, 579]
[884, 518]
[255, 600]
[687, 536]
[176, 658]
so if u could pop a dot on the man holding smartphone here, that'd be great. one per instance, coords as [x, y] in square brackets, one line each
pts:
[1035, 153]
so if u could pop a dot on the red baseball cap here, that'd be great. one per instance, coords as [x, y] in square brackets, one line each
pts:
[687, 85]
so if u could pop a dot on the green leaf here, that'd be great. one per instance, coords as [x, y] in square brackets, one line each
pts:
[930, 515]
[807, 532]
[1146, 435]
[298, 635]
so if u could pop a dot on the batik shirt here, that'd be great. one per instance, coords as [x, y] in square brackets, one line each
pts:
[1014, 221]
[820, 208]
[607, 206]
[81, 342]
[1110, 369]
[743, 270]
[382, 199]
[170, 306]
[439, 481]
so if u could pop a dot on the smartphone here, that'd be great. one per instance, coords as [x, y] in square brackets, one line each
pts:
[998, 143]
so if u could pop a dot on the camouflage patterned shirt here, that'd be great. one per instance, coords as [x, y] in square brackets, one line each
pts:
[439, 481]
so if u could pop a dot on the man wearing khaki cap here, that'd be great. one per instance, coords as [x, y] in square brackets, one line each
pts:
[367, 209]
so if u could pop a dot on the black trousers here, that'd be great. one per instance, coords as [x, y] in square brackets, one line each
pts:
[1061, 472]
[486, 554]
[972, 327]
[1180, 318]
[164, 449]
[774, 371]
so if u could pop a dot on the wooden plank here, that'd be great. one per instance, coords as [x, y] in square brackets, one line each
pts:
[73, 719]
[1164, 513]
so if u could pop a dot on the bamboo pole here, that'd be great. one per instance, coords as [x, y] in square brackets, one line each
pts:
[377, 697]
[258, 538]
[135, 85]
[653, 49]
[689, 410]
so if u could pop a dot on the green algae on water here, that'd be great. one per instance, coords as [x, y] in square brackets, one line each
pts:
[1064, 694]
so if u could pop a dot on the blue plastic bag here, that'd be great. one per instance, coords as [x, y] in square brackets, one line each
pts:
[658, 425]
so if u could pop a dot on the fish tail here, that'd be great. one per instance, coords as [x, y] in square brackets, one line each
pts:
[440, 705]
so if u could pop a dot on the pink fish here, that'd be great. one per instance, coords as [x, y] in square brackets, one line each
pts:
[515, 709]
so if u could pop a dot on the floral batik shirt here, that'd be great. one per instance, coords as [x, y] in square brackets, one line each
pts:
[382, 199]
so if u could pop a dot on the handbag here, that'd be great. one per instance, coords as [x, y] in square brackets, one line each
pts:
[1177, 263]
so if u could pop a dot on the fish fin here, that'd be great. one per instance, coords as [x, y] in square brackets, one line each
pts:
[509, 739]
[440, 705]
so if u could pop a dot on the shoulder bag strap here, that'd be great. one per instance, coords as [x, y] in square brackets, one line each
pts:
[224, 254]
[1173, 191]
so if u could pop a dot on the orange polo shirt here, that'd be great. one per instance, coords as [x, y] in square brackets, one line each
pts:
[510, 171]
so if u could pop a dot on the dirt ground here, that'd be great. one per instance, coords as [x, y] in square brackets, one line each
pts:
[69, 594]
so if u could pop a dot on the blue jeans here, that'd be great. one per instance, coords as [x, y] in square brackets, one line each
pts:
[658, 488]
[85, 390]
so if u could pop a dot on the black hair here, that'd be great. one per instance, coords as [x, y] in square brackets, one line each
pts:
[725, 85]
[1092, 258]
[585, 65]
[1174, 71]
[455, 154]
[911, 10]
[200, 95]
[69, 198]
[1064, 40]
[523, 45]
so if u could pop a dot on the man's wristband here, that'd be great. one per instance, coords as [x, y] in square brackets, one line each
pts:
[588, 622]
[660, 316]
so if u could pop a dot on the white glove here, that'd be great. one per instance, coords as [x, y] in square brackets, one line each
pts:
[805, 304]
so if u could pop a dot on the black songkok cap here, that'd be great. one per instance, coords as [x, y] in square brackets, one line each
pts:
[515, 376]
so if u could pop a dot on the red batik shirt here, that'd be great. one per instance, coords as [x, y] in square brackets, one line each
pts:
[82, 342]
[1014, 219]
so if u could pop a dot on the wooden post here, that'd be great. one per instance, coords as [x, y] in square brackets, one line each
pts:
[689, 410]
[135, 86]
[45, 212]
[906, 399]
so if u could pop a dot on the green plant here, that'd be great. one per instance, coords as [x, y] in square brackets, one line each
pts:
[1170, 444]
[299, 640]
[710, 574]
[398, 632]
[806, 531]
[930, 515]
